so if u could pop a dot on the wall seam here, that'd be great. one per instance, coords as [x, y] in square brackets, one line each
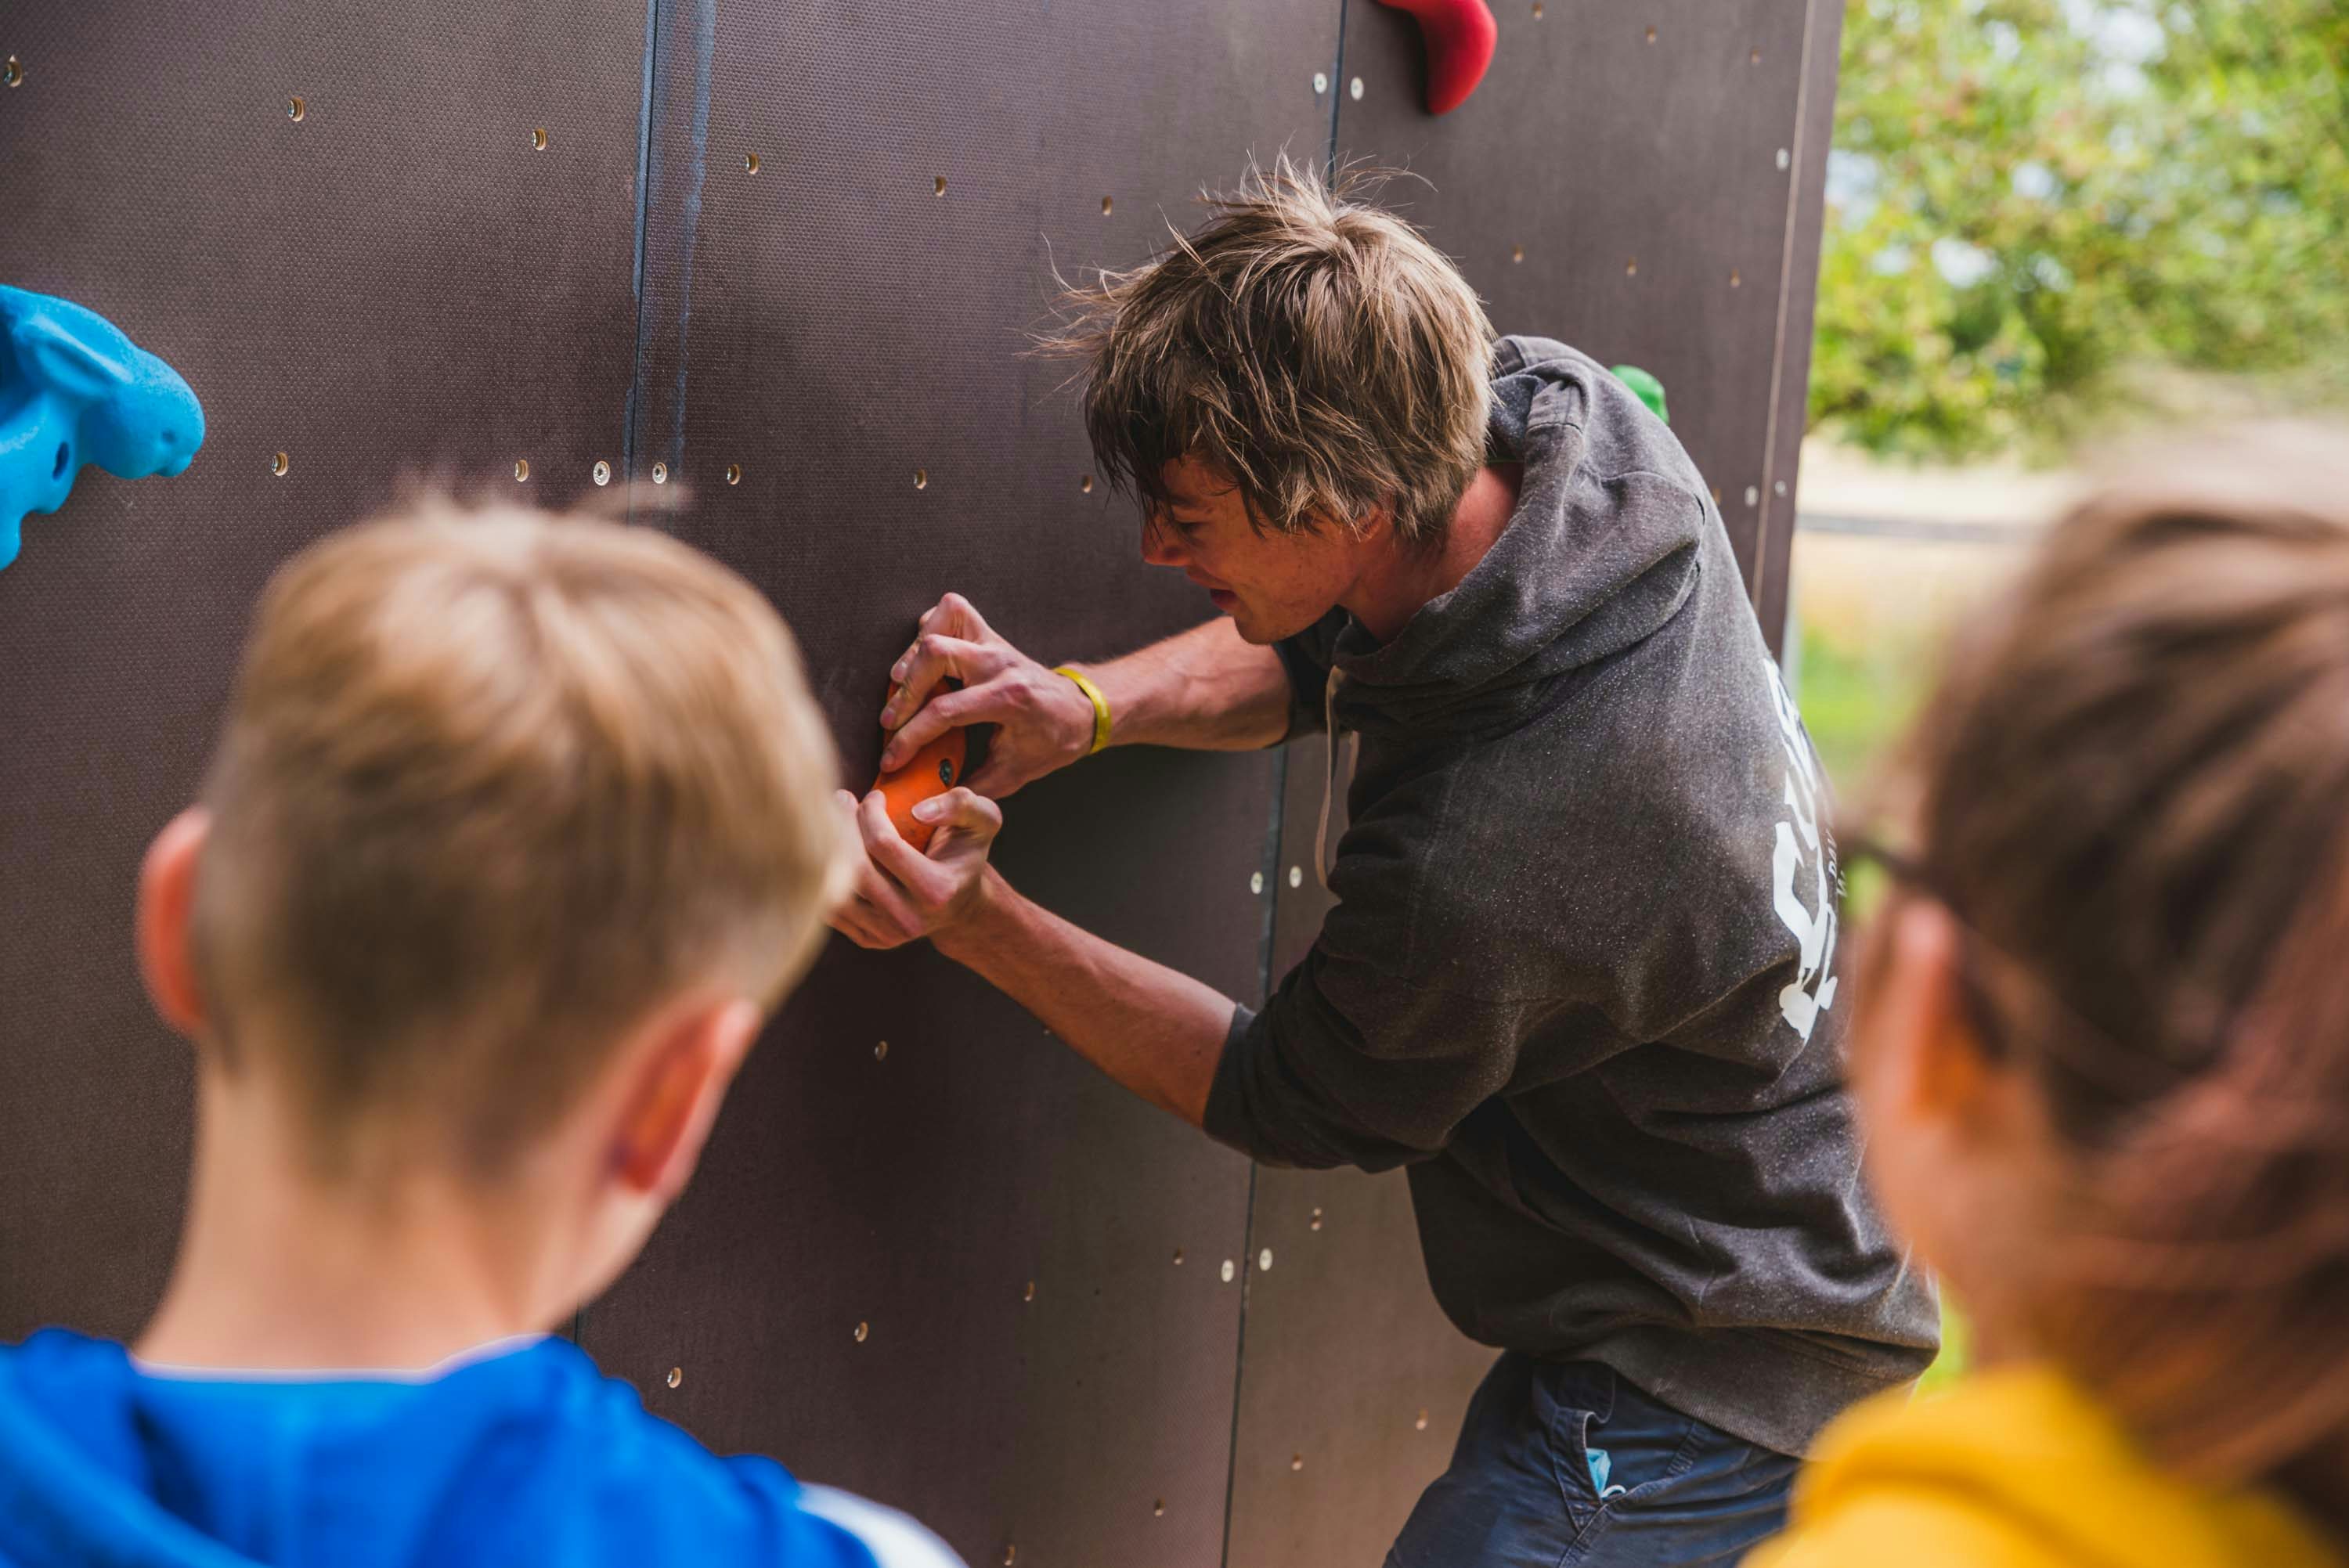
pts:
[1795, 150]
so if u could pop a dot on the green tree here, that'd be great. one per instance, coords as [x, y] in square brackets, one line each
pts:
[2041, 210]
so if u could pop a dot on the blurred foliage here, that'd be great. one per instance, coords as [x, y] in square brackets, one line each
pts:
[2043, 212]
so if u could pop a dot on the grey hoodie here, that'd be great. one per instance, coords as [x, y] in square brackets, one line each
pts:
[1582, 975]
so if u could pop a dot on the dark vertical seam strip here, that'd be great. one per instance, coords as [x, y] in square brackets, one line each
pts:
[1794, 151]
[1274, 886]
[636, 272]
[705, 50]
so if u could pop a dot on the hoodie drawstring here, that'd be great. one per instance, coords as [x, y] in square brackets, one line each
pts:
[1321, 862]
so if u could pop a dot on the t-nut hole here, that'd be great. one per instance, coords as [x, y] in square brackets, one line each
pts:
[733, 473]
[601, 472]
[1516, 252]
[862, 1330]
[750, 163]
[13, 73]
[538, 139]
[295, 109]
[279, 464]
[1106, 206]
[938, 185]
[675, 1376]
[522, 469]
[660, 473]
[1086, 484]
[921, 479]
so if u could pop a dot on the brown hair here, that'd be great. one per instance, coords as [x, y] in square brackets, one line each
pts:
[493, 787]
[1311, 348]
[2134, 788]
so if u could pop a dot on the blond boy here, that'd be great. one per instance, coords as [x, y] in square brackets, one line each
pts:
[517, 833]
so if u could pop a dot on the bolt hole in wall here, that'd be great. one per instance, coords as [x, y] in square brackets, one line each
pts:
[522, 469]
[601, 473]
[297, 109]
[733, 473]
[280, 464]
[538, 139]
[660, 473]
[921, 479]
[13, 72]
[937, 185]
[750, 163]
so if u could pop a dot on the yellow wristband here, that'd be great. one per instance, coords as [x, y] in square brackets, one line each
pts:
[1093, 695]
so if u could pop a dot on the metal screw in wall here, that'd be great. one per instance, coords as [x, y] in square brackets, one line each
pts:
[1354, 89]
[1297, 876]
[1085, 485]
[1785, 157]
[601, 473]
[1753, 495]
[1264, 1260]
[1106, 206]
[1228, 1271]
[1255, 883]
[1320, 81]
[1780, 487]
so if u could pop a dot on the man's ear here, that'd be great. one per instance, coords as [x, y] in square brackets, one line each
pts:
[1933, 1063]
[167, 894]
[677, 1086]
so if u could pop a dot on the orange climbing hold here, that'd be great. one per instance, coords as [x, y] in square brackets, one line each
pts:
[931, 772]
[1459, 35]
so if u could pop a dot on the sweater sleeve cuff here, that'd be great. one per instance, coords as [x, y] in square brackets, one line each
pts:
[1227, 1118]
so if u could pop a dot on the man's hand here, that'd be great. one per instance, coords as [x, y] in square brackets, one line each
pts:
[1042, 720]
[903, 895]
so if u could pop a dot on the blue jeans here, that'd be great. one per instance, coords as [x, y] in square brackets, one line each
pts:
[1522, 1492]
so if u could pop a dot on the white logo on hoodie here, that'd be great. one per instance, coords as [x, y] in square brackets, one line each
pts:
[1800, 848]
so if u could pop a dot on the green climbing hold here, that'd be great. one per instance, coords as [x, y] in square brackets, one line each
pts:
[1650, 390]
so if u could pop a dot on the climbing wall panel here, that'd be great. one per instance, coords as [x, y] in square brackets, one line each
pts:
[1036, 1260]
[1641, 178]
[397, 283]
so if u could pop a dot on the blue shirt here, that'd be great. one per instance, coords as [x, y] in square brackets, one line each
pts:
[522, 1454]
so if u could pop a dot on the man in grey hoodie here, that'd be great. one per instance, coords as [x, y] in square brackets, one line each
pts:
[1580, 978]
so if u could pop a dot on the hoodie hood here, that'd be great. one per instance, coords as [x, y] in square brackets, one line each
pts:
[2020, 1469]
[1600, 551]
[518, 1453]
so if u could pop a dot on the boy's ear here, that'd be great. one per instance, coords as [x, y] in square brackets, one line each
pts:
[678, 1085]
[167, 893]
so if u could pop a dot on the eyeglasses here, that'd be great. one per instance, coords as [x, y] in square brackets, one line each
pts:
[2087, 1051]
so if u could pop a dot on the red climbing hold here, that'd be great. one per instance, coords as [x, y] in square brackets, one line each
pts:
[1459, 35]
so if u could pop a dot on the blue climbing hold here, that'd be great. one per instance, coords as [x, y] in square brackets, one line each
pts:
[74, 390]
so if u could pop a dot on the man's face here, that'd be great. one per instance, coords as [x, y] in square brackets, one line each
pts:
[1272, 586]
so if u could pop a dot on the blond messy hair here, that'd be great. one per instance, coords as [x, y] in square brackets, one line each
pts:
[1313, 349]
[493, 786]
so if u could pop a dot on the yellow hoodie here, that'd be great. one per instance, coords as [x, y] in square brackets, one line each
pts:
[2019, 1469]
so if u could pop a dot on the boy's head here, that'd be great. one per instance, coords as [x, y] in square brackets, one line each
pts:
[512, 815]
[1303, 375]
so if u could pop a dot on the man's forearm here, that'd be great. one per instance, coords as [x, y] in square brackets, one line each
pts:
[1205, 689]
[1157, 1032]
